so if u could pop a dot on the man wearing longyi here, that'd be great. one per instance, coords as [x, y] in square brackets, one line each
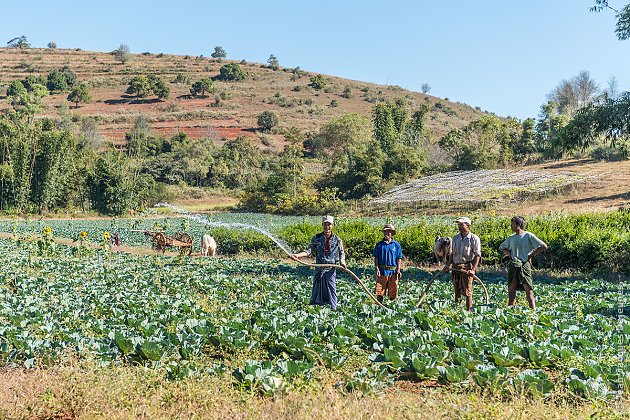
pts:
[328, 249]
[464, 259]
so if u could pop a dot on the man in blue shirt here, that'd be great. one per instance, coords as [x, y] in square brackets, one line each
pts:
[387, 257]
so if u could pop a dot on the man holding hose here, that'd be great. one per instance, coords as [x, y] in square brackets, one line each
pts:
[328, 249]
[464, 259]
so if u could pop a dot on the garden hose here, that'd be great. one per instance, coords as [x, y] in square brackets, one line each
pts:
[347, 270]
[439, 273]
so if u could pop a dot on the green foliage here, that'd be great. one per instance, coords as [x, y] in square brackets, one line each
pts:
[60, 80]
[485, 143]
[109, 193]
[52, 45]
[139, 86]
[169, 315]
[622, 28]
[583, 242]
[273, 62]
[200, 87]
[390, 122]
[16, 88]
[609, 121]
[158, 87]
[219, 53]
[231, 72]
[20, 42]
[267, 120]
[80, 93]
[318, 82]
[340, 137]
[548, 129]
[46, 246]
[181, 79]
[347, 92]
[237, 164]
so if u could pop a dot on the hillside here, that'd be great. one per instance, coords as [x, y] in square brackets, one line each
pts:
[282, 91]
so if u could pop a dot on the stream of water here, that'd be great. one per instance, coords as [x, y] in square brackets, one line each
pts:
[198, 218]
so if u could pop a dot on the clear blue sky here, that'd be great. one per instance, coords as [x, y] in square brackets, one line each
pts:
[502, 56]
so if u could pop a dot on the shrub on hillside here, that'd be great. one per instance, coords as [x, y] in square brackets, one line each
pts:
[231, 72]
[267, 120]
[318, 82]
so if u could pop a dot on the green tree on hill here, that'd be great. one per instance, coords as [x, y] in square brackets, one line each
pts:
[231, 72]
[139, 86]
[318, 82]
[60, 80]
[267, 120]
[485, 143]
[19, 42]
[273, 62]
[609, 121]
[80, 93]
[219, 53]
[200, 87]
[158, 87]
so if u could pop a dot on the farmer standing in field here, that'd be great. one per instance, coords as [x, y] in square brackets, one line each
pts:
[387, 258]
[328, 249]
[518, 250]
[464, 259]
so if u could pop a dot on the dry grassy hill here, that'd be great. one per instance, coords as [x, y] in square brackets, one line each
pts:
[288, 95]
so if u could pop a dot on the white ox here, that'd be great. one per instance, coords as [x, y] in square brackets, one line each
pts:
[208, 245]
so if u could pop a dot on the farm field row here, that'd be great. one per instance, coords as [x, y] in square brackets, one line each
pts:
[247, 321]
[588, 242]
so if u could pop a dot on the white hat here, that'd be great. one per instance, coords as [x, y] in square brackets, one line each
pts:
[328, 219]
[464, 220]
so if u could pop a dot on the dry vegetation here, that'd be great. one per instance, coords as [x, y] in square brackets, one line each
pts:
[288, 95]
[85, 391]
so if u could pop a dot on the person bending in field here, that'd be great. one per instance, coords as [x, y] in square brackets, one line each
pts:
[387, 258]
[464, 260]
[518, 251]
[328, 249]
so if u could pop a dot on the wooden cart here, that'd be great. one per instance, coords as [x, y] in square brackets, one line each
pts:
[160, 241]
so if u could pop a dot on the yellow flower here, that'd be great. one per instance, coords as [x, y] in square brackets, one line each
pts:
[105, 235]
[83, 235]
[47, 230]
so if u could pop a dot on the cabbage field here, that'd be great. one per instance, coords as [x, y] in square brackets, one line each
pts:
[247, 320]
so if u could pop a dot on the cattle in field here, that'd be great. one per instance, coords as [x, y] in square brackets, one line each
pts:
[208, 245]
[442, 248]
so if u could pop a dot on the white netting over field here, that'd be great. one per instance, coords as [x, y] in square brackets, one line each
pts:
[481, 187]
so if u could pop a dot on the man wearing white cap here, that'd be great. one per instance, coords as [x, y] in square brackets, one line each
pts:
[465, 257]
[328, 249]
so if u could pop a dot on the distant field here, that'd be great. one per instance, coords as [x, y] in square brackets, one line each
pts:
[478, 189]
